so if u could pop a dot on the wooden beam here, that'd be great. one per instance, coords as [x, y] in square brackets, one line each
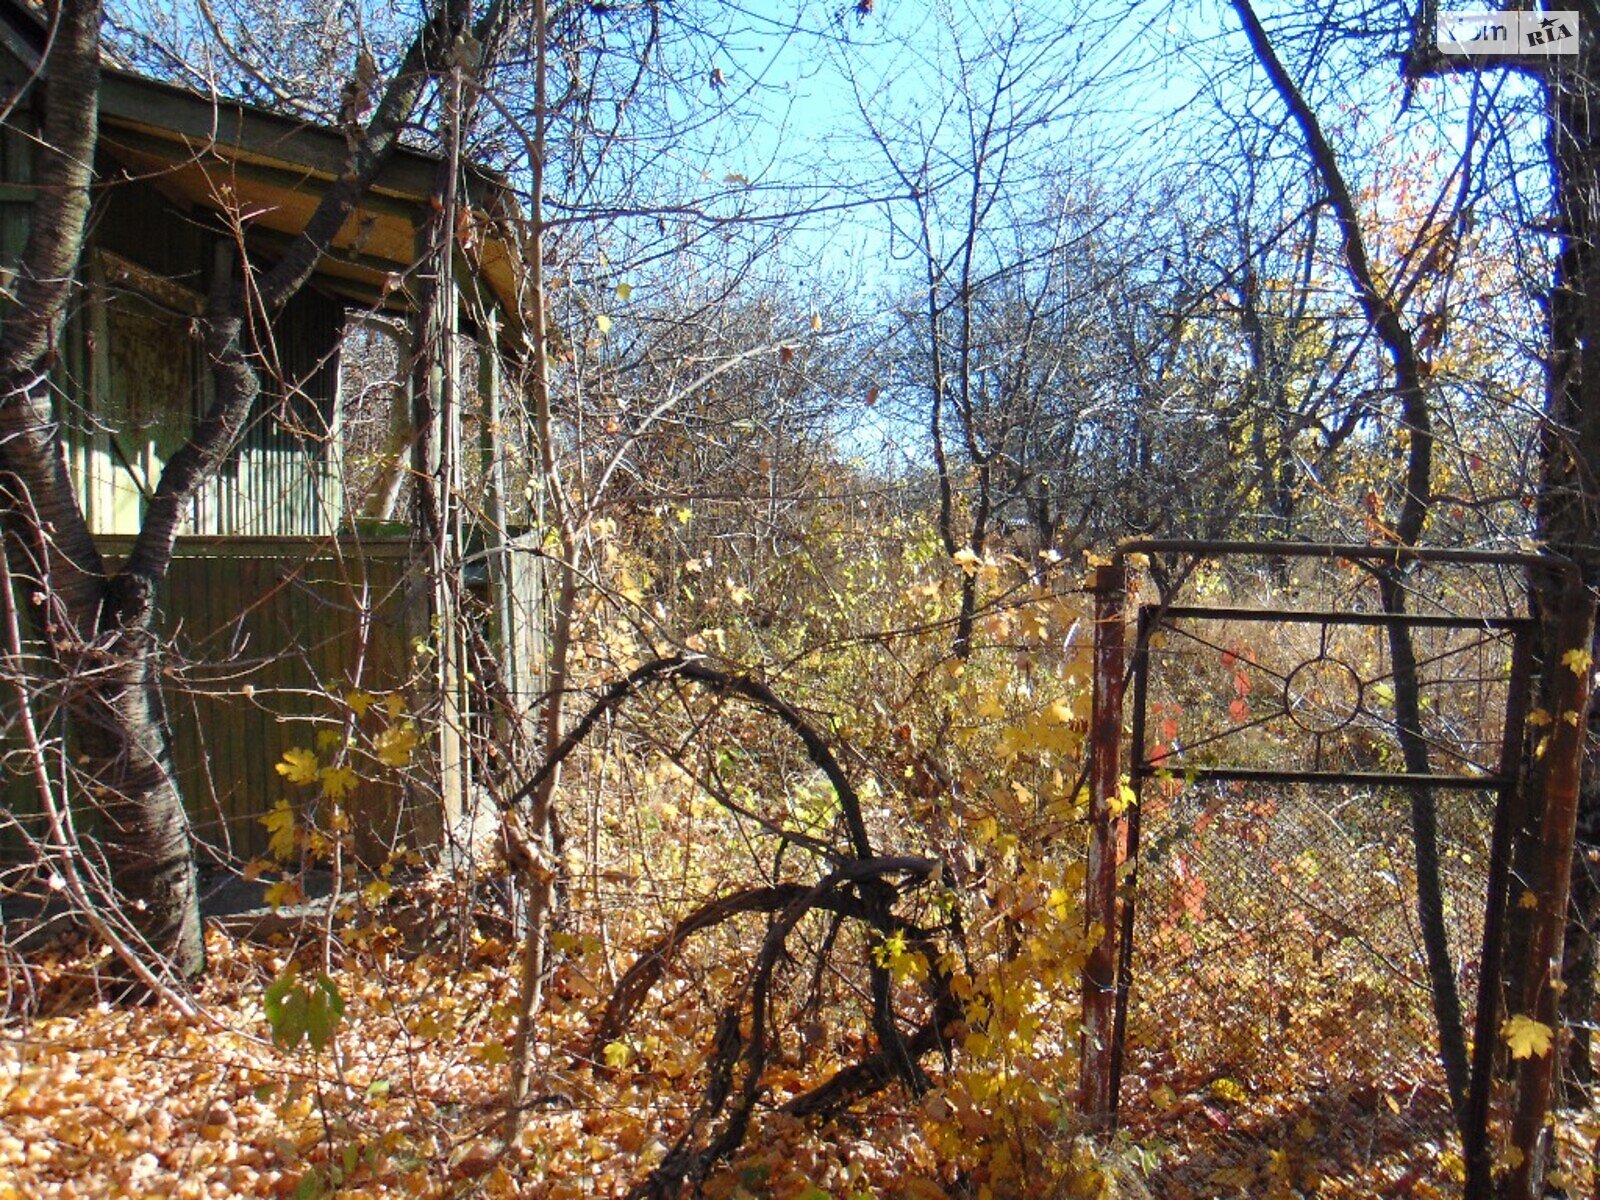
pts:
[211, 158]
[130, 101]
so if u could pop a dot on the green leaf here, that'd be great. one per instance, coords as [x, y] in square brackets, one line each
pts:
[324, 1008]
[285, 1005]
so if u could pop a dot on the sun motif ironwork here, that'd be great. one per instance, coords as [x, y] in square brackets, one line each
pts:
[1323, 694]
[1334, 698]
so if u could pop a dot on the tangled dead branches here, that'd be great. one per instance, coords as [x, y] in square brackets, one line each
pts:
[859, 886]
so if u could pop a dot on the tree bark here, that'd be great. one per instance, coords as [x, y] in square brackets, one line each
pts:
[95, 627]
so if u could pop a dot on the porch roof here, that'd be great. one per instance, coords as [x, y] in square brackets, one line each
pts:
[268, 171]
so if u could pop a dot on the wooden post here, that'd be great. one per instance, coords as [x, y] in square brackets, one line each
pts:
[1096, 1047]
[435, 456]
[499, 555]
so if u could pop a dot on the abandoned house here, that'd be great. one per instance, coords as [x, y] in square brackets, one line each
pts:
[290, 590]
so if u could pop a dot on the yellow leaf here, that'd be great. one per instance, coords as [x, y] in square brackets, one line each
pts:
[338, 782]
[816, 322]
[285, 891]
[1577, 661]
[624, 290]
[1526, 1037]
[617, 1054]
[298, 766]
[1121, 801]
[1228, 1090]
[1453, 1166]
[394, 745]
[359, 702]
[282, 837]
[377, 891]
[394, 704]
[966, 559]
[603, 323]
[1528, 899]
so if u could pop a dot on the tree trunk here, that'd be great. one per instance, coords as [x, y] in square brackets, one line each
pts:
[96, 631]
[1583, 923]
[144, 829]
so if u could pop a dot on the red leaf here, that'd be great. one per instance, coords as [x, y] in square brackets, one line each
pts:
[1239, 710]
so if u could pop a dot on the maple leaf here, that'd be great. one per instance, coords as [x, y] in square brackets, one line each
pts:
[338, 782]
[285, 891]
[377, 891]
[394, 745]
[282, 836]
[1526, 1037]
[299, 765]
[1577, 661]
[359, 702]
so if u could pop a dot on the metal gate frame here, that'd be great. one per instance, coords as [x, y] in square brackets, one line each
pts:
[1108, 973]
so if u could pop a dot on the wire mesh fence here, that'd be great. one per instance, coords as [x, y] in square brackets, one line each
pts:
[1281, 1018]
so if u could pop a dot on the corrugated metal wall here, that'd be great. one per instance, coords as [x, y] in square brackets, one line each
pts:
[266, 637]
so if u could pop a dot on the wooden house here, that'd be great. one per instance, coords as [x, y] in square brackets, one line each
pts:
[282, 600]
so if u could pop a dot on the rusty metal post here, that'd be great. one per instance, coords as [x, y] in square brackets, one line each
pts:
[1130, 870]
[1097, 1047]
